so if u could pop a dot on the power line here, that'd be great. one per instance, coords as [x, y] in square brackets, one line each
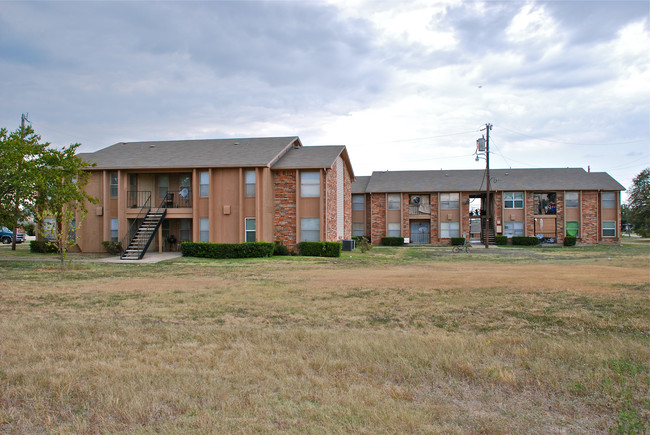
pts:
[575, 143]
[416, 139]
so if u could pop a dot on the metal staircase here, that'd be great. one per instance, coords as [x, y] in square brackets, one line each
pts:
[145, 233]
[491, 232]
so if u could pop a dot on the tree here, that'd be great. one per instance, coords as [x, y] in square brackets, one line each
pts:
[62, 197]
[639, 203]
[20, 153]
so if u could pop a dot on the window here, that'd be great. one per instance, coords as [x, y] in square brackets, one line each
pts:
[394, 229]
[544, 203]
[358, 202]
[204, 184]
[49, 228]
[449, 201]
[609, 229]
[511, 229]
[309, 229]
[572, 228]
[163, 185]
[358, 229]
[609, 199]
[394, 202]
[249, 178]
[513, 199]
[113, 176]
[114, 230]
[204, 230]
[572, 200]
[310, 184]
[72, 234]
[449, 230]
[186, 230]
[249, 229]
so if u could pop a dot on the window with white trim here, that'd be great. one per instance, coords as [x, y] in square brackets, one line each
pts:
[249, 180]
[310, 184]
[609, 228]
[449, 230]
[609, 199]
[512, 229]
[394, 229]
[513, 199]
[449, 201]
[113, 229]
[394, 201]
[249, 229]
[572, 200]
[204, 184]
[113, 184]
[358, 229]
[309, 229]
[358, 202]
[204, 230]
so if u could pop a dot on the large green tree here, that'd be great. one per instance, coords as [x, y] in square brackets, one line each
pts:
[20, 160]
[639, 203]
[62, 198]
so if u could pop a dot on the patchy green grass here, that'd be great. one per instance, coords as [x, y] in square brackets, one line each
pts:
[395, 340]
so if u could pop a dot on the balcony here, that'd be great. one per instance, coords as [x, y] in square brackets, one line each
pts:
[419, 209]
[176, 199]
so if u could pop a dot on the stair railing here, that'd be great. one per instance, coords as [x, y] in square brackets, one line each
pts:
[133, 228]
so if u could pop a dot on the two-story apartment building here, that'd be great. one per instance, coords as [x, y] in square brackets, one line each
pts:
[225, 191]
[434, 206]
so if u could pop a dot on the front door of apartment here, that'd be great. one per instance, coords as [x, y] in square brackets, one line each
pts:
[420, 232]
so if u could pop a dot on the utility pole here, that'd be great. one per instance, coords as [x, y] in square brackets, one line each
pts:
[488, 210]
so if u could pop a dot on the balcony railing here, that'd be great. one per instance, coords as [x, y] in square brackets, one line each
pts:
[176, 199]
[419, 209]
[419, 237]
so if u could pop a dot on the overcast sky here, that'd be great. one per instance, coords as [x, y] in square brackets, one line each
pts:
[403, 84]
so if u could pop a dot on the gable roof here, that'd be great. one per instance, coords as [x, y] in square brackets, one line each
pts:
[360, 184]
[500, 180]
[322, 156]
[192, 153]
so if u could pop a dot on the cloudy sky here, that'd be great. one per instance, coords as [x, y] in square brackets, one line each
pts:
[403, 84]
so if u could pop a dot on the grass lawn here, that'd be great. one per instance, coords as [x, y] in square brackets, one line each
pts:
[505, 340]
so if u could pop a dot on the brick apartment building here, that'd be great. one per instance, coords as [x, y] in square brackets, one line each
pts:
[434, 206]
[224, 191]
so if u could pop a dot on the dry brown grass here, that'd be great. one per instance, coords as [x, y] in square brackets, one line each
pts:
[389, 342]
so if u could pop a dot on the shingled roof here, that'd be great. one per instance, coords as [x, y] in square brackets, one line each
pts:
[234, 152]
[314, 157]
[501, 180]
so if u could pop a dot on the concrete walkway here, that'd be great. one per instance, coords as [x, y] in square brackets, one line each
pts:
[149, 257]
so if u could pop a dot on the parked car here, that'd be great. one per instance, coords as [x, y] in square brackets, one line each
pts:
[6, 234]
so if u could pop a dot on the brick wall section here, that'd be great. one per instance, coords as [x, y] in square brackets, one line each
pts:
[367, 210]
[529, 215]
[330, 205]
[377, 217]
[590, 227]
[347, 192]
[464, 214]
[559, 217]
[497, 198]
[284, 220]
[406, 231]
[435, 233]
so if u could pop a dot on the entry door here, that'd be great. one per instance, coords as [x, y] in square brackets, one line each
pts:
[420, 232]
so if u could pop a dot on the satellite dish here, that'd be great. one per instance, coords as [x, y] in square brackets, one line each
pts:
[184, 192]
[416, 200]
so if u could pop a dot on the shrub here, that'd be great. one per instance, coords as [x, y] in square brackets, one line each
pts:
[392, 241]
[227, 250]
[113, 248]
[357, 239]
[42, 247]
[570, 240]
[501, 240]
[279, 248]
[457, 241]
[525, 241]
[363, 244]
[320, 249]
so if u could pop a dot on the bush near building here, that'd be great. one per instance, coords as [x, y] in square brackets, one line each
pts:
[227, 250]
